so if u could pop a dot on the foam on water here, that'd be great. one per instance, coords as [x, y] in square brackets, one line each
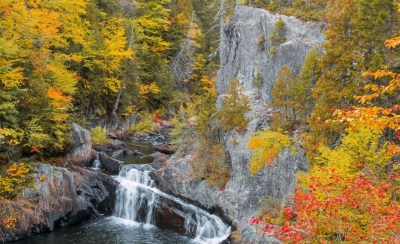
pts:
[137, 197]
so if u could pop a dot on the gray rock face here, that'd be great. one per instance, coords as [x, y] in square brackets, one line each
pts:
[81, 146]
[61, 197]
[244, 58]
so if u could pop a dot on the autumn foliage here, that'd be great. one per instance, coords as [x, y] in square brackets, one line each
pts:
[351, 193]
[266, 146]
[335, 209]
[15, 178]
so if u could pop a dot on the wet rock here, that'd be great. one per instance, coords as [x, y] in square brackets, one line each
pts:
[60, 197]
[136, 152]
[103, 147]
[110, 164]
[168, 216]
[120, 154]
[164, 148]
[81, 152]
[117, 144]
[112, 135]
[159, 160]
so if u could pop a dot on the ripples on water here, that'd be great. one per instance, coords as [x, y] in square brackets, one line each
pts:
[109, 230]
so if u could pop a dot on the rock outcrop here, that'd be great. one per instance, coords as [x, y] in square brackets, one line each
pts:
[81, 152]
[60, 197]
[245, 57]
[245, 60]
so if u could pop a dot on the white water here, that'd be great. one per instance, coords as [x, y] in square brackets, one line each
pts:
[96, 164]
[137, 198]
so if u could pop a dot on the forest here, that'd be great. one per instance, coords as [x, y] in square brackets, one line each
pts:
[98, 62]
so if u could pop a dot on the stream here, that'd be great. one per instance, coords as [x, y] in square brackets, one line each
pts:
[142, 214]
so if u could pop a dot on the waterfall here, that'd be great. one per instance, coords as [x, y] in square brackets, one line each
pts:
[138, 200]
[96, 164]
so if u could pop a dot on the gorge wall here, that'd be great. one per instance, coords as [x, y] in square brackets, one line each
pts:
[245, 59]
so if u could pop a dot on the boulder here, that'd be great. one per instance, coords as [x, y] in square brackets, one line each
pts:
[110, 164]
[60, 197]
[119, 154]
[164, 148]
[159, 160]
[81, 152]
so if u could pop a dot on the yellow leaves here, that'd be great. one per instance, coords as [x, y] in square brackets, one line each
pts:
[62, 78]
[45, 25]
[209, 84]
[99, 136]
[16, 178]
[12, 78]
[113, 84]
[266, 146]
[116, 50]
[151, 24]
[9, 136]
[147, 89]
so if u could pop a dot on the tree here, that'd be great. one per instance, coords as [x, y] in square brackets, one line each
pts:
[302, 90]
[278, 36]
[235, 106]
[283, 101]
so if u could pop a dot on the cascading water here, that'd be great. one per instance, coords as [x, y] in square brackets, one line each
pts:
[138, 199]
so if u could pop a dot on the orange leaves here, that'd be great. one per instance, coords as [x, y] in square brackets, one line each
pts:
[393, 43]
[58, 98]
[375, 116]
[147, 89]
[10, 222]
[380, 74]
[12, 78]
[372, 117]
[18, 170]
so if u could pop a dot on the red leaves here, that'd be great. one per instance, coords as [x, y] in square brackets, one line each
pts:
[362, 210]
[157, 118]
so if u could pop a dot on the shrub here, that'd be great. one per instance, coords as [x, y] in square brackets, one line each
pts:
[16, 177]
[266, 146]
[261, 42]
[99, 135]
[278, 36]
[209, 164]
[145, 125]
